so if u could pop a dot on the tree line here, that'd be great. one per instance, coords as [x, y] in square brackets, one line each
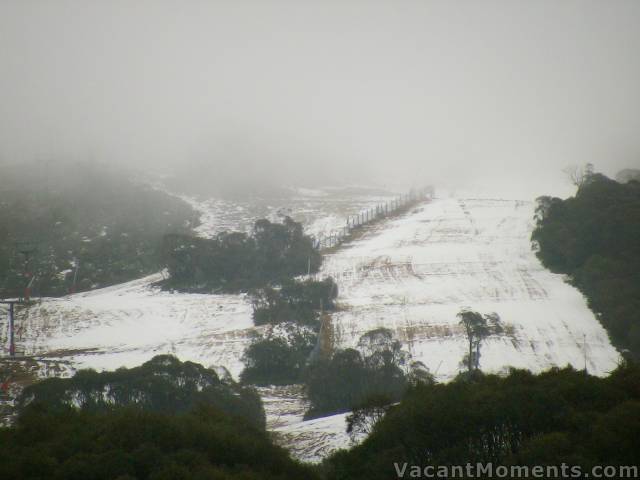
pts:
[561, 416]
[593, 237]
[163, 384]
[237, 261]
[165, 420]
[379, 368]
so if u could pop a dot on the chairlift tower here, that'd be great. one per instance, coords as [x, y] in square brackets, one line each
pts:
[27, 249]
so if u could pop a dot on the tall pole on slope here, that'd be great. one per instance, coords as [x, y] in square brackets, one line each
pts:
[12, 342]
[27, 249]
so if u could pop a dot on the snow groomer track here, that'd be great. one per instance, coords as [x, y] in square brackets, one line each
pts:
[414, 274]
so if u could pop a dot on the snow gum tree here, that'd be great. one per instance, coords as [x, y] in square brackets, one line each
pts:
[477, 327]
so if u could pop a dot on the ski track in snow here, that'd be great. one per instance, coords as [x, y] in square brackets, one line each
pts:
[411, 274]
[127, 324]
[414, 274]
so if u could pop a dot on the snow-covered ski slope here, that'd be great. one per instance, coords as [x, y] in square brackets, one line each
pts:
[411, 274]
[320, 210]
[127, 324]
[414, 274]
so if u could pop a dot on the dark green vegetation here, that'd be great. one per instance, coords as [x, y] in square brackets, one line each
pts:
[379, 370]
[595, 238]
[297, 302]
[279, 359]
[110, 224]
[236, 261]
[165, 420]
[163, 384]
[365, 416]
[477, 327]
[128, 444]
[349, 378]
[337, 381]
[560, 416]
[295, 308]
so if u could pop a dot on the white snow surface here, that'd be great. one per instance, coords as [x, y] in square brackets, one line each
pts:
[414, 274]
[411, 274]
[128, 324]
[310, 440]
[321, 211]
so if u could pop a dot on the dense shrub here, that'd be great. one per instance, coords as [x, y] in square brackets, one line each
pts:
[346, 380]
[163, 420]
[560, 416]
[124, 443]
[163, 384]
[349, 378]
[294, 308]
[594, 237]
[279, 359]
[233, 262]
[295, 301]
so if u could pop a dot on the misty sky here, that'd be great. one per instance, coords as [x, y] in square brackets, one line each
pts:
[421, 90]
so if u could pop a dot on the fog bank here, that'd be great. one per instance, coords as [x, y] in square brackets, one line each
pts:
[492, 92]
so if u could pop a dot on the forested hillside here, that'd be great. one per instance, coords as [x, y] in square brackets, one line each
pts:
[165, 420]
[81, 226]
[595, 238]
[163, 384]
[560, 416]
